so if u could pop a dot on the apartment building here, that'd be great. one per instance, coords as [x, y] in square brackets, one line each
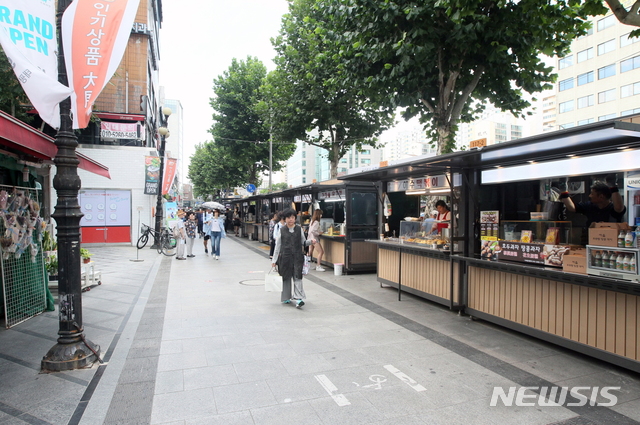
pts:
[600, 78]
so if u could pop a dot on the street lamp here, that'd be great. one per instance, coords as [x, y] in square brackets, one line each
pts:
[72, 350]
[164, 133]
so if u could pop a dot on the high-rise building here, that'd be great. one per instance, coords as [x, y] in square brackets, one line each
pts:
[600, 78]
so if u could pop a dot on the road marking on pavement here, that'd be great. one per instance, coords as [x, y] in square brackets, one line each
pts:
[404, 378]
[340, 399]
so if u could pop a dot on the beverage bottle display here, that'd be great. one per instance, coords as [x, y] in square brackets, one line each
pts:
[605, 259]
[632, 263]
[612, 260]
[625, 263]
[629, 238]
[598, 259]
[621, 237]
[620, 262]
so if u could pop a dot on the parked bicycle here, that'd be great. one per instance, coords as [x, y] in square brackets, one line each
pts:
[144, 237]
[164, 241]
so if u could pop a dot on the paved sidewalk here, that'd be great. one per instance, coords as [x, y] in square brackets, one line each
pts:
[201, 342]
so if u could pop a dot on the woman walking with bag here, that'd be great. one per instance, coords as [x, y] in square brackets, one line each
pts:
[289, 257]
[191, 227]
[314, 235]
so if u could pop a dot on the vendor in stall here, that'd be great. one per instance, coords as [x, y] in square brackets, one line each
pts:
[605, 204]
[444, 214]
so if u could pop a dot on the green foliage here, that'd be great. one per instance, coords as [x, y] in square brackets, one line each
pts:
[440, 59]
[210, 172]
[12, 96]
[241, 134]
[48, 241]
[313, 102]
[84, 253]
[51, 263]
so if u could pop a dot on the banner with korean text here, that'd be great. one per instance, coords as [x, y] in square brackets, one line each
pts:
[28, 38]
[170, 166]
[94, 36]
[151, 175]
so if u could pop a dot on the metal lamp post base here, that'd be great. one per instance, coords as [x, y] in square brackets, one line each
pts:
[71, 356]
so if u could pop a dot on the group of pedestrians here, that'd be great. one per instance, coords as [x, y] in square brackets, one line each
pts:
[207, 224]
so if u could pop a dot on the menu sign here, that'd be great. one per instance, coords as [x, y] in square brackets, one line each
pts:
[105, 207]
[489, 221]
[338, 193]
[431, 182]
[522, 252]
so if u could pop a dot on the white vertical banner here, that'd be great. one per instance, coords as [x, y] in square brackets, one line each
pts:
[28, 37]
[94, 35]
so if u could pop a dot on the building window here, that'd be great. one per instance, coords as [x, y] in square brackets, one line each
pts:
[606, 47]
[626, 41]
[565, 84]
[630, 90]
[304, 154]
[304, 163]
[366, 152]
[584, 55]
[607, 96]
[343, 161]
[606, 117]
[607, 22]
[589, 32]
[585, 78]
[630, 64]
[565, 62]
[365, 161]
[304, 171]
[565, 106]
[567, 125]
[630, 111]
[586, 101]
[587, 121]
[607, 71]
[304, 180]
[343, 170]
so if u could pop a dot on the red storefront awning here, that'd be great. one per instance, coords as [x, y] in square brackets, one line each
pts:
[18, 136]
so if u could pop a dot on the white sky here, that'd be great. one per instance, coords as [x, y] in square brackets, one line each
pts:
[198, 40]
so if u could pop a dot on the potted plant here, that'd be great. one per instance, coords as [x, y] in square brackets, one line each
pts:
[51, 263]
[86, 255]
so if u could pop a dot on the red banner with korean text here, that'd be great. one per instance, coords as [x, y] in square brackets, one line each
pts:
[170, 166]
[94, 36]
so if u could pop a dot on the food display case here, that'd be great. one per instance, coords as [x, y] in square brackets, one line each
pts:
[608, 261]
[420, 232]
[512, 231]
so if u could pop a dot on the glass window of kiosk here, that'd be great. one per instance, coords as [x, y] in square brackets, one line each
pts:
[363, 209]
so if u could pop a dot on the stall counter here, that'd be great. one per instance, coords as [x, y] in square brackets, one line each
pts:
[419, 270]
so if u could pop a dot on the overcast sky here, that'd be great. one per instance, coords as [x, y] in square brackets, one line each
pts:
[198, 40]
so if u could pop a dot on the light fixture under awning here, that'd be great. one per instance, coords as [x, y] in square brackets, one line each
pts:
[18, 136]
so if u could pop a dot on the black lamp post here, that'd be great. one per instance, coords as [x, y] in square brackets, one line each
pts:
[72, 351]
[164, 133]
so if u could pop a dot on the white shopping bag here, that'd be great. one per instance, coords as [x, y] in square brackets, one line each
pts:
[273, 281]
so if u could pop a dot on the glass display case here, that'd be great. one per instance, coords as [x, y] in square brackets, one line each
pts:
[608, 261]
[420, 232]
[511, 231]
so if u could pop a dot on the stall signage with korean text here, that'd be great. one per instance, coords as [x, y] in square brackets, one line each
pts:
[521, 252]
[632, 182]
[336, 193]
[429, 182]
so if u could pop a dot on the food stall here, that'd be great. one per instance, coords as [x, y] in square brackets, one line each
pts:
[349, 218]
[520, 261]
[414, 249]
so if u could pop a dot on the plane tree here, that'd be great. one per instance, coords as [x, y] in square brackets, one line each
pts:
[439, 59]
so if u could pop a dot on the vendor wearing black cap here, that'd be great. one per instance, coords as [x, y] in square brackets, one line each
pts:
[605, 204]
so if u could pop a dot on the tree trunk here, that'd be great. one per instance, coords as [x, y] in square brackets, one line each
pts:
[334, 158]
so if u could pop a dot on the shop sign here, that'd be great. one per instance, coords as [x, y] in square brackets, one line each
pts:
[337, 193]
[632, 182]
[429, 182]
[116, 130]
[302, 198]
[521, 252]
[479, 143]
[489, 221]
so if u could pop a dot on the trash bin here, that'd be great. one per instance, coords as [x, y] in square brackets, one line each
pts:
[337, 269]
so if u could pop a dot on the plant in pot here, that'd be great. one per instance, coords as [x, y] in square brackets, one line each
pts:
[86, 255]
[51, 263]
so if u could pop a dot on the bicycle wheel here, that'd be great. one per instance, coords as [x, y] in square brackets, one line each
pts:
[168, 244]
[142, 240]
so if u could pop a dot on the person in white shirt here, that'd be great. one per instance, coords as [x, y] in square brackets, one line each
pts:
[206, 228]
[314, 235]
[217, 233]
[181, 239]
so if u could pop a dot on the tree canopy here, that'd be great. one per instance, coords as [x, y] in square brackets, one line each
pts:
[241, 135]
[312, 105]
[438, 59]
[12, 96]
